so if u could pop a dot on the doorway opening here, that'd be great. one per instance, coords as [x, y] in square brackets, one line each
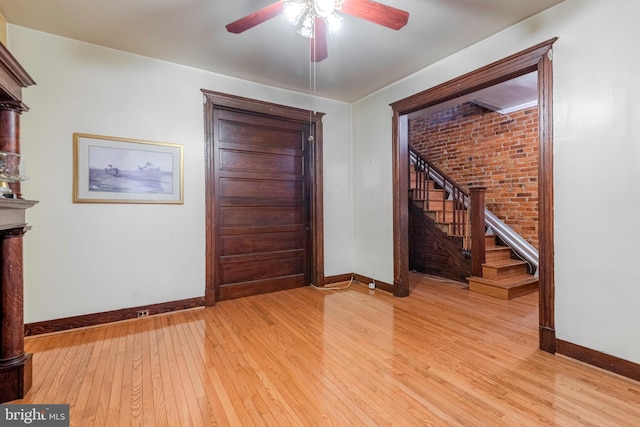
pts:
[536, 59]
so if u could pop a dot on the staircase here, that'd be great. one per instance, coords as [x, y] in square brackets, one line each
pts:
[434, 204]
[502, 276]
[444, 203]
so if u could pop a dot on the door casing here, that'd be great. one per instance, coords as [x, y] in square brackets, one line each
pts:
[217, 100]
[537, 58]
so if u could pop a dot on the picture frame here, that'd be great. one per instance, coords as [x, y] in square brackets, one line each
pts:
[109, 169]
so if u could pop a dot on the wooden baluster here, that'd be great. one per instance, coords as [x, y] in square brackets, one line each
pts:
[444, 198]
[453, 211]
[456, 211]
[421, 180]
[426, 177]
[477, 229]
[411, 188]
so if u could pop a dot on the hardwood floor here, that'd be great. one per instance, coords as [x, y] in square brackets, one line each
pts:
[304, 357]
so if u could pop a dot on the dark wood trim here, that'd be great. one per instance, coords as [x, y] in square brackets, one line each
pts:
[16, 377]
[388, 287]
[17, 106]
[328, 280]
[500, 71]
[401, 205]
[13, 78]
[537, 58]
[214, 100]
[601, 360]
[317, 206]
[545, 202]
[360, 278]
[547, 337]
[210, 246]
[57, 325]
[248, 105]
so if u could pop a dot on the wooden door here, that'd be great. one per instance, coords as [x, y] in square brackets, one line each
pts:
[262, 212]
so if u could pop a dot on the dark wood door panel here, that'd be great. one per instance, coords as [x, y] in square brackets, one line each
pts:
[247, 118]
[260, 216]
[260, 243]
[239, 290]
[263, 190]
[237, 272]
[239, 133]
[233, 160]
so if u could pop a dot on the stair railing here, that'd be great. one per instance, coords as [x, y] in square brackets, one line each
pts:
[517, 243]
[452, 193]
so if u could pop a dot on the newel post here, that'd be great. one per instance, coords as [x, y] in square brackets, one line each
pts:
[477, 229]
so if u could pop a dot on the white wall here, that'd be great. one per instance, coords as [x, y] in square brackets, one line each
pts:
[88, 258]
[597, 128]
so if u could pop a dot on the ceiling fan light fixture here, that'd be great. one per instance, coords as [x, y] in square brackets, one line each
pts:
[293, 10]
[306, 29]
[324, 8]
[315, 19]
[334, 22]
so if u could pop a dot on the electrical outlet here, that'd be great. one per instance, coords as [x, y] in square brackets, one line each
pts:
[142, 313]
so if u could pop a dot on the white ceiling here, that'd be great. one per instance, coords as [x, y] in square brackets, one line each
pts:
[363, 57]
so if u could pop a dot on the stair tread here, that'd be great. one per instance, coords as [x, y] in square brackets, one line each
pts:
[504, 263]
[511, 282]
[497, 248]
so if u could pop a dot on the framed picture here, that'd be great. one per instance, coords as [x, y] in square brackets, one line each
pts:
[107, 169]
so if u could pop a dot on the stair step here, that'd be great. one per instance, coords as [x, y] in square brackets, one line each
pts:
[436, 205]
[431, 214]
[447, 227]
[489, 240]
[414, 184]
[504, 269]
[431, 205]
[497, 253]
[439, 216]
[435, 195]
[507, 289]
[430, 186]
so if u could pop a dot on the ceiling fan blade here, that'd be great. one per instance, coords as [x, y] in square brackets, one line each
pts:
[378, 13]
[250, 21]
[318, 44]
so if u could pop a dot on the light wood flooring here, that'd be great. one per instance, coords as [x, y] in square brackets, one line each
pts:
[304, 357]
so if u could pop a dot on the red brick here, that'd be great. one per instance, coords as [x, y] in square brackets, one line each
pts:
[475, 145]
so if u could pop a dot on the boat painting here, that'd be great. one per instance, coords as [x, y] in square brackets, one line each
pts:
[115, 180]
[130, 171]
[148, 171]
[109, 169]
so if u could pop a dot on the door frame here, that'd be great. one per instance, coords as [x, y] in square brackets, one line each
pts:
[217, 100]
[537, 58]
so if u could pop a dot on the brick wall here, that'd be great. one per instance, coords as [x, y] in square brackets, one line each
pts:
[476, 146]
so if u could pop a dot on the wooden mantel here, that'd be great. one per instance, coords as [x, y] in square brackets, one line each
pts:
[15, 364]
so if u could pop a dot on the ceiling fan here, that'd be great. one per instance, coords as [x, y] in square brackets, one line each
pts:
[315, 17]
